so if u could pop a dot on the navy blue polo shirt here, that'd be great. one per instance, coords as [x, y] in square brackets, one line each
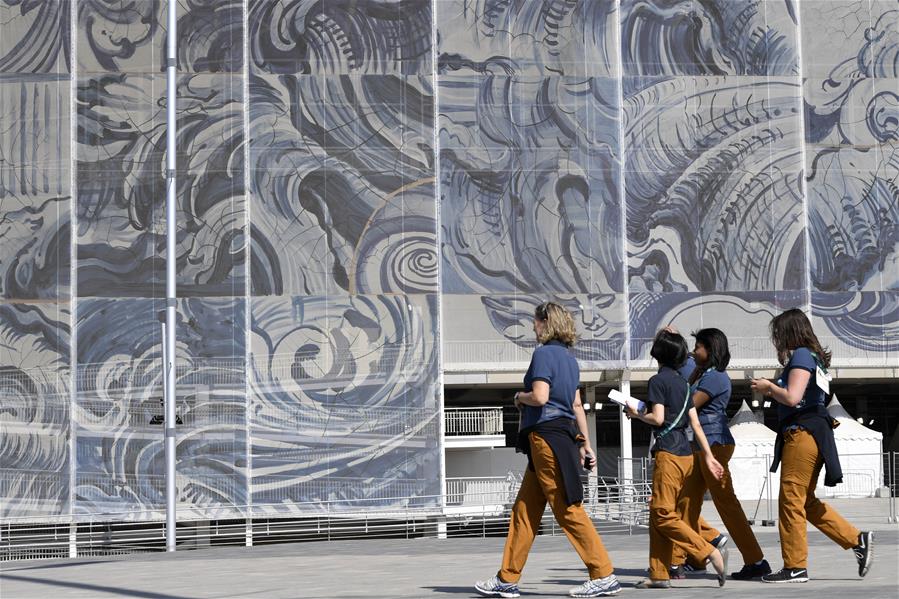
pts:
[670, 389]
[553, 364]
[803, 359]
[713, 413]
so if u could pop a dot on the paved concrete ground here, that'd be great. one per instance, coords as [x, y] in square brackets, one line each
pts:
[431, 568]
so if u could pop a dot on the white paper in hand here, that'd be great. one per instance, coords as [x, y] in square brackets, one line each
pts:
[626, 400]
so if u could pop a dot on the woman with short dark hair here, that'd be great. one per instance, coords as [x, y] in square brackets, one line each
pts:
[555, 438]
[804, 444]
[711, 389]
[669, 406]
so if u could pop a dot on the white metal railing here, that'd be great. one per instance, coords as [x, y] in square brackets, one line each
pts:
[474, 506]
[613, 506]
[474, 421]
[477, 491]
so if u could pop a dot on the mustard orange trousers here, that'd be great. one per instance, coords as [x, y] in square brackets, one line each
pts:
[725, 499]
[666, 527]
[800, 466]
[544, 484]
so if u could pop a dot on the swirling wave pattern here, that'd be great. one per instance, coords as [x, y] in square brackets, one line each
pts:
[750, 171]
[34, 348]
[34, 187]
[120, 184]
[34, 36]
[530, 199]
[740, 315]
[683, 37]
[864, 324]
[120, 450]
[342, 181]
[341, 36]
[397, 251]
[714, 200]
[343, 390]
[130, 37]
[546, 37]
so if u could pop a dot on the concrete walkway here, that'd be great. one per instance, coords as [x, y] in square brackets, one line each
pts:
[432, 568]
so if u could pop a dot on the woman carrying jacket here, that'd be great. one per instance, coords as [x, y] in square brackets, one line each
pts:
[669, 407]
[804, 444]
[711, 389]
[554, 436]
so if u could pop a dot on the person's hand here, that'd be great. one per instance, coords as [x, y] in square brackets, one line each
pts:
[763, 386]
[517, 403]
[671, 329]
[586, 451]
[631, 413]
[715, 467]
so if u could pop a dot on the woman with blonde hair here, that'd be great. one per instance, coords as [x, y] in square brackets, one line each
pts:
[805, 444]
[554, 436]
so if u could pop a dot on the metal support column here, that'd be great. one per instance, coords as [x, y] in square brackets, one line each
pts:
[170, 232]
[626, 472]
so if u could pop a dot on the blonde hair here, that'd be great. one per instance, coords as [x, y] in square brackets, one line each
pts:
[559, 324]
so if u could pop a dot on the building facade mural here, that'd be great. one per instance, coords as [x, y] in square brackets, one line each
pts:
[373, 192]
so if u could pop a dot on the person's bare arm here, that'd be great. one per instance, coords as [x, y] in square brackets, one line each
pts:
[700, 398]
[581, 417]
[537, 397]
[714, 466]
[656, 417]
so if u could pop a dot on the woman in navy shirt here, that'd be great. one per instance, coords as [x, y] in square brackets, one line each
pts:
[711, 390]
[554, 436]
[804, 444]
[669, 408]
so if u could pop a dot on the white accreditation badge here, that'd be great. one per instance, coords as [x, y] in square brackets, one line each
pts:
[823, 380]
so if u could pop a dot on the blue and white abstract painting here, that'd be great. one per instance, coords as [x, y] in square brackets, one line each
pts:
[372, 190]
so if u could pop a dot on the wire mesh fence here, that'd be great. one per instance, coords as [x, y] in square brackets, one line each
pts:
[472, 509]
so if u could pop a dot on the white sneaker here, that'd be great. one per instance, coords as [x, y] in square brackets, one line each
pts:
[597, 587]
[494, 587]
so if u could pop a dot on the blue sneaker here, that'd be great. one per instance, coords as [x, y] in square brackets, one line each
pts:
[597, 587]
[494, 587]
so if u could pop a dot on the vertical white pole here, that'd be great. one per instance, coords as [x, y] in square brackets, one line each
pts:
[73, 277]
[170, 215]
[248, 203]
[624, 426]
[440, 347]
[590, 398]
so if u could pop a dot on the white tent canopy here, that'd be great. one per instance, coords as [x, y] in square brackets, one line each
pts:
[861, 458]
[752, 455]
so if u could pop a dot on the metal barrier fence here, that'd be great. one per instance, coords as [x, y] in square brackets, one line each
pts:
[866, 476]
[475, 507]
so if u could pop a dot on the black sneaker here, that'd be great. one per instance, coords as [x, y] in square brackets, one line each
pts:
[750, 571]
[677, 572]
[688, 567]
[864, 552]
[787, 575]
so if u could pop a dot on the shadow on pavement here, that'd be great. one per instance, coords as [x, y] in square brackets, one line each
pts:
[117, 591]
